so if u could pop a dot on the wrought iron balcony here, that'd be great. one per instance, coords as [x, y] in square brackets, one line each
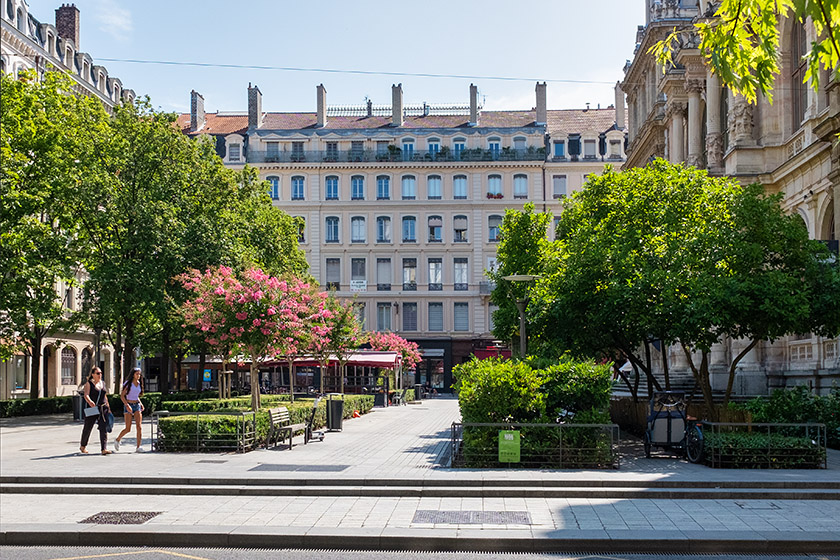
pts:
[486, 288]
[396, 155]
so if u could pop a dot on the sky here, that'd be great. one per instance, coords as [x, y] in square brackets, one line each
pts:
[579, 47]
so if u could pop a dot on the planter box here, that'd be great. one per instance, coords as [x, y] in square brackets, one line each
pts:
[764, 446]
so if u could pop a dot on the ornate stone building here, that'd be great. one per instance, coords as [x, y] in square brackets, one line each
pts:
[402, 203]
[28, 44]
[684, 115]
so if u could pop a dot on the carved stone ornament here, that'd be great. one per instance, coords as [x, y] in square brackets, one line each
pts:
[714, 150]
[695, 85]
[740, 121]
[675, 108]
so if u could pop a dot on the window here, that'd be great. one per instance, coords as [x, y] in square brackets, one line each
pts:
[357, 270]
[494, 145]
[435, 316]
[435, 274]
[382, 147]
[558, 183]
[459, 224]
[409, 187]
[460, 187]
[494, 225]
[560, 149]
[458, 146]
[520, 144]
[331, 187]
[333, 274]
[462, 316]
[383, 187]
[409, 229]
[357, 230]
[798, 64]
[615, 149]
[434, 147]
[409, 274]
[407, 149]
[574, 146]
[383, 316]
[520, 186]
[297, 188]
[297, 151]
[434, 187]
[491, 309]
[462, 273]
[272, 151]
[332, 229]
[435, 229]
[357, 150]
[494, 185]
[357, 187]
[409, 313]
[68, 366]
[234, 152]
[273, 187]
[383, 275]
[301, 223]
[19, 366]
[556, 225]
[589, 149]
[332, 151]
[383, 229]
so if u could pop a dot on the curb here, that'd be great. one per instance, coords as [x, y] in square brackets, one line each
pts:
[462, 540]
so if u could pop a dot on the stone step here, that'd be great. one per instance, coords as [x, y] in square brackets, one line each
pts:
[427, 492]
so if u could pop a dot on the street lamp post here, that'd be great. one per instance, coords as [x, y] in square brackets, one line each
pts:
[522, 305]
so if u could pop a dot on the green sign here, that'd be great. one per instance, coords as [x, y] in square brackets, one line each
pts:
[508, 446]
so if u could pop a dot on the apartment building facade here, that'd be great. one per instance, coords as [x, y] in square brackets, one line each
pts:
[29, 44]
[685, 115]
[401, 205]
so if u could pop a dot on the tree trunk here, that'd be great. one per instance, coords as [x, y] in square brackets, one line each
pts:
[291, 382]
[166, 370]
[649, 371]
[665, 373]
[118, 351]
[626, 380]
[128, 352]
[178, 359]
[701, 377]
[732, 367]
[35, 368]
[255, 386]
[202, 363]
[636, 381]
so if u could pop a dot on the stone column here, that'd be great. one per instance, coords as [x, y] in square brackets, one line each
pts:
[714, 138]
[695, 123]
[677, 144]
[740, 121]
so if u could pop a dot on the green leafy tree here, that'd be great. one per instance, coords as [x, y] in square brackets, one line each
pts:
[41, 133]
[523, 249]
[669, 253]
[741, 42]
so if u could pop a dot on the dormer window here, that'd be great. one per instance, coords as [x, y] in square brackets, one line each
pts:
[559, 149]
[520, 144]
[234, 152]
[589, 149]
[458, 146]
[434, 146]
[495, 147]
[50, 43]
[407, 149]
[85, 71]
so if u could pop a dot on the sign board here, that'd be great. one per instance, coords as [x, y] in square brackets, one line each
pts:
[207, 376]
[358, 285]
[509, 446]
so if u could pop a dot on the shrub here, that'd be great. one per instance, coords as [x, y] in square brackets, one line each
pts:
[495, 390]
[32, 407]
[753, 450]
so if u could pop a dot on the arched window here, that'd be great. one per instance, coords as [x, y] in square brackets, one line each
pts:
[68, 366]
[86, 362]
[409, 229]
[494, 186]
[357, 229]
[520, 143]
[273, 187]
[494, 228]
[459, 184]
[434, 147]
[495, 146]
[297, 187]
[434, 187]
[331, 188]
[798, 66]
[301, 223]
[458, 146]
[383, 229]
[409, 187]
[20, 20]
[435, 229]
[459, 225]
[407, 149]
[332, 229]
[520, 186]
[383, 187]
[357, 187]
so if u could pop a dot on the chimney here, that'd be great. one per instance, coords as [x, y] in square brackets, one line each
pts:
[196, 111]
[473, 105]
[397, 105]
[254, 106]
[67, 23]
[322, 106]
[542, 111]
[369, 108]
[619, 107]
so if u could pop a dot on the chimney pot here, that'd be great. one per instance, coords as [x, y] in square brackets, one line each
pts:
[254, 107]
[397, 105]
[542, 108]
[197, 117]
[322, 105]
[473, 105]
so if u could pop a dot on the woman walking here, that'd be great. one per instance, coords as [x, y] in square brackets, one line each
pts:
[130, 395]
[96, 395]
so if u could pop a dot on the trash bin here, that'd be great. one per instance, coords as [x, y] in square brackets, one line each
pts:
[335, 413]
[78, 407]
[418, 392]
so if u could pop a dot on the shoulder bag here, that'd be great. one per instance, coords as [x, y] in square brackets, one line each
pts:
[93, 410]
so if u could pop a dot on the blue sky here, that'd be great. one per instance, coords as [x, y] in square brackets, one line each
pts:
[546, 40]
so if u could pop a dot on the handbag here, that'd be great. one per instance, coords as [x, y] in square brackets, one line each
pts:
[92, 410]
[109, 419]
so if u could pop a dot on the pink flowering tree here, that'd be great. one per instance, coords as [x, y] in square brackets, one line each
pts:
[255, 316]
[339, 334]
[386, 341]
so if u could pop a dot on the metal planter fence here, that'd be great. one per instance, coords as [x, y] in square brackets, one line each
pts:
[764, 445]
[204, 431]
[543, 446]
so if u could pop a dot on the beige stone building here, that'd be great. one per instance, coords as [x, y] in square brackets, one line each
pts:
[402, 203]
[790, 147]
[28, 44]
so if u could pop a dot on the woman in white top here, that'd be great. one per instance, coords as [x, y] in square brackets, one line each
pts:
[130, 395]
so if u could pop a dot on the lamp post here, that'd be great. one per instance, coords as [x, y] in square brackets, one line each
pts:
[522, 305]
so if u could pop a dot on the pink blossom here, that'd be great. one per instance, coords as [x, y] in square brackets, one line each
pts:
[241, 316]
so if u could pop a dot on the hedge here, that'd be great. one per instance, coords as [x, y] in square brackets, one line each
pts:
[31, 407]
[755, 450]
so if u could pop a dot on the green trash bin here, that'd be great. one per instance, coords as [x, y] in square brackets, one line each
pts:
[335, 412]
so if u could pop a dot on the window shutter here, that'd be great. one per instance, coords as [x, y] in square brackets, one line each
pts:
[435, 316]
[462, 317]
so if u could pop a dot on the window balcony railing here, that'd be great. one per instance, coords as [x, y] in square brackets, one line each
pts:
[396, 155]
[461, 286]
[333, 285]
[486, 288]
[435, 287]
[409, 286]
[383, 287]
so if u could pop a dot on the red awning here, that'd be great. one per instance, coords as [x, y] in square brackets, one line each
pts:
[363, 358]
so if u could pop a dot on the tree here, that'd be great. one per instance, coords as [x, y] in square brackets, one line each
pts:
[345, 335]
[741, 42]
[668, 253]
[255, 316]
[522, 250]
[41, 133]
[389, 342]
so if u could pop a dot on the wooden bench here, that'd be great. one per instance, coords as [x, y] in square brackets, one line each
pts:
[281, 425]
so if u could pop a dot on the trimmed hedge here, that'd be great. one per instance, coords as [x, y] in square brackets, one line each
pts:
[31, 407]
[753, 450]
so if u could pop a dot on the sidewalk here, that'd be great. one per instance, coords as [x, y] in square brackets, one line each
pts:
[381, 483]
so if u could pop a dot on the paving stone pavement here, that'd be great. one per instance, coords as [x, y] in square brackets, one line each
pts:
[393, 444]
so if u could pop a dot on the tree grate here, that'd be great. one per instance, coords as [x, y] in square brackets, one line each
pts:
[213, 461]
[300, 468]
[121, 517]
[757, 504]
[472, 517]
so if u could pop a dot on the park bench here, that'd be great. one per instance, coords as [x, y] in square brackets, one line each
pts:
[399, 398]
[281, 425]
